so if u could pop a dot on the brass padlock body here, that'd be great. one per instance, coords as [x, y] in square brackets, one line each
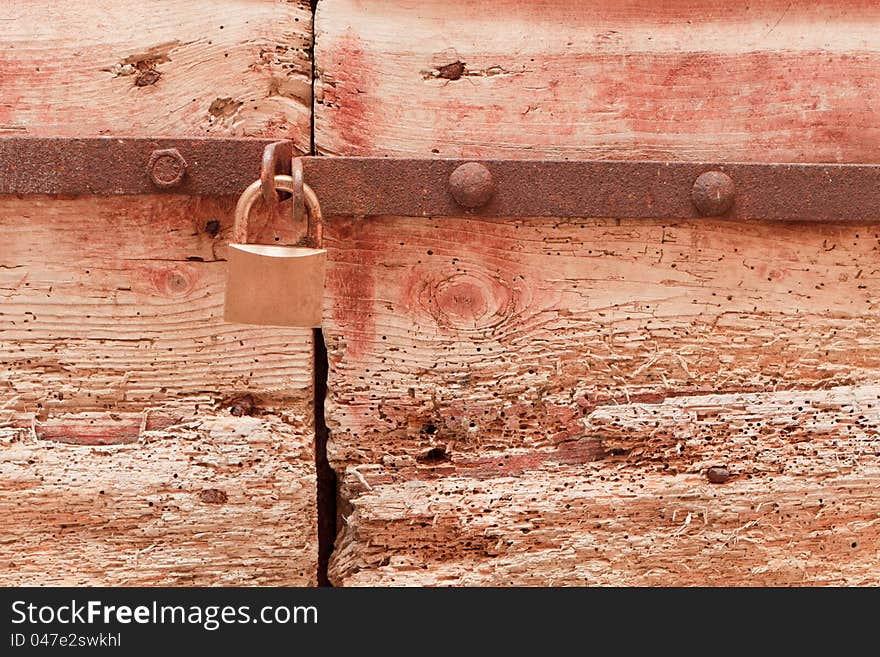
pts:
[275, 285]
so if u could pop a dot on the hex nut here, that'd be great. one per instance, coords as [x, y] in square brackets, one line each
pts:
[166, 168]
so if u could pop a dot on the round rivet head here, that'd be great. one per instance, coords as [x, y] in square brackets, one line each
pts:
[166, 168]
[713, 193]
[717, 475]
[471, 185]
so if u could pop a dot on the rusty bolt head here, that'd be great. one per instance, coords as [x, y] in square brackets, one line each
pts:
[166, 168]
[717, 475]
[713, 193]
[471, 185]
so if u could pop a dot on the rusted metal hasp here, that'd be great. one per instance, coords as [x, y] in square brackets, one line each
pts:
[128, 165]
[433, 187]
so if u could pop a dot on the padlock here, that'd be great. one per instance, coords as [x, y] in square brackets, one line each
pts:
[270, 284]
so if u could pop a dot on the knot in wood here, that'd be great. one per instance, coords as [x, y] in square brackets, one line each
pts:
[468, 301]
[174, 281]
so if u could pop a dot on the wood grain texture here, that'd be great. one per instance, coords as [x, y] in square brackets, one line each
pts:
[124, 396]
[157, 68]
[111, 304]
[800, 508]
[216, 500]
[701, 80]
[508, 330]
[537, 401]
[521, 358]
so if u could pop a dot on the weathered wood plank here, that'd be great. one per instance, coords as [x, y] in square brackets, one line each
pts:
[504, 332]
[112, 304]
[536, 401]
[218, 500]
[124, 397]
[479, 342]
[702, 80]
[628, 503]
[216, 67]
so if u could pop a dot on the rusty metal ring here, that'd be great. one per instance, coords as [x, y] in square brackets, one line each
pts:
[314, 229]
[276, 161]
[296, 172]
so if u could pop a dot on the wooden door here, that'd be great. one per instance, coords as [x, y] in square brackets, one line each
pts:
[510, 401]
[142, 440]
[537, 401]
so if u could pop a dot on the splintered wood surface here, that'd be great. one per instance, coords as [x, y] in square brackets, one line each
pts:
[158, 68]
[537, 401]
[214, 500]
[142, 439]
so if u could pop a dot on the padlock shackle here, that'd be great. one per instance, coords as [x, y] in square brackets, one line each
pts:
[315, 228]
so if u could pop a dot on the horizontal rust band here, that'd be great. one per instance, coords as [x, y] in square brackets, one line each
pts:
[773, 192]
[421, 187]
[128, 165]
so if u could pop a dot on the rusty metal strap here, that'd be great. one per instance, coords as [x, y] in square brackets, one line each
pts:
[432, 187]
[128, 165]
[774, 192]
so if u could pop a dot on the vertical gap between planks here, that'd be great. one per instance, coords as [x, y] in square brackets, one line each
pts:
[326, 477]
